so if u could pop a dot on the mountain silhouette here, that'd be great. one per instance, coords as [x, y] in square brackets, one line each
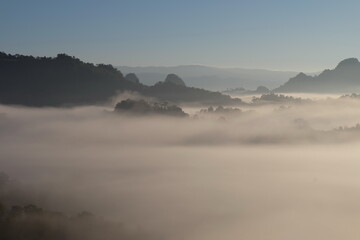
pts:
[63, 80]
[66, 81]
[344, 78]
[132, 78]
[169, 91]
[175, 79]
[243, 91]
[212, 78]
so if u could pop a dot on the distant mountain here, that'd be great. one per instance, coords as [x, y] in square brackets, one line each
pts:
[344, 78]
[211, 78]
[243, 91]
[66, 80]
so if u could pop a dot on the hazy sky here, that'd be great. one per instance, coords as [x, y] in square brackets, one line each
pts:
[273, 34]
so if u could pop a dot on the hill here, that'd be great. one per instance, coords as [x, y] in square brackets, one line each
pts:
[212, 78]
[243, 91]
[65, 80]
[142, 107]
[168, 91]
[62, 80]
[344, 78]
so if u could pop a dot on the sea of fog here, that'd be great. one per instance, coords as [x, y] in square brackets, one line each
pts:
[269, 172]
[313, 96]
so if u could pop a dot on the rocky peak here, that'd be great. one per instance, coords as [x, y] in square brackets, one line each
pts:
[132, 78]
[262, 89]
[350, 62]
[301, 75]
[175, 79]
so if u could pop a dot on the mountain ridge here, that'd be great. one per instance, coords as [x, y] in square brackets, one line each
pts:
[345, 77]
[212, 78]
[66, 81]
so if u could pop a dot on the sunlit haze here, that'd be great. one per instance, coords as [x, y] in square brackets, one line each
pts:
[179, 120]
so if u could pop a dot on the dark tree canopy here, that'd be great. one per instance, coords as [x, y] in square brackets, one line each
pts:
[277, 98]
[57, 81]
[141, 107]
[20, 219]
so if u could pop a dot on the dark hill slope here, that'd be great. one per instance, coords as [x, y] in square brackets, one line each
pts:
[57, 81]
[65, 80]
[168, 91]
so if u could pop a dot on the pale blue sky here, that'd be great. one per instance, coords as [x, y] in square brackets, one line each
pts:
[274, 34]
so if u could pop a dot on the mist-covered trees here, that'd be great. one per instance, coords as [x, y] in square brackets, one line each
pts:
[350, 96]
[277, 98]
[31, 222]
[221, 110]
[142, 107]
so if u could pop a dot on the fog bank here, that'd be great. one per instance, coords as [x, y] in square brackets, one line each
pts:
[264, 173]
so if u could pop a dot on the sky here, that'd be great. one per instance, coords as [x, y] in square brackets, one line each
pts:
[269, 34]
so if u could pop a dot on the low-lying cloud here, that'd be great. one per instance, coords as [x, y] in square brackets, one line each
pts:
[268, 172]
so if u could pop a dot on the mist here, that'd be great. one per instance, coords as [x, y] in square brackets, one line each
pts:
[269, 171]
